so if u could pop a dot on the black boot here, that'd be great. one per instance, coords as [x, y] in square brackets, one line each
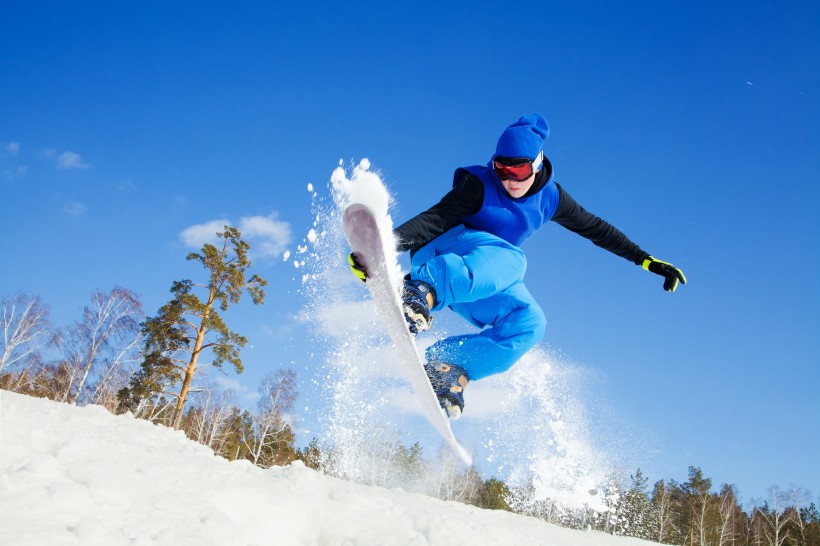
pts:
[448, 381]
[419, 297]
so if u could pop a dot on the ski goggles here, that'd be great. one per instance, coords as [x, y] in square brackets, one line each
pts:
[519, 171]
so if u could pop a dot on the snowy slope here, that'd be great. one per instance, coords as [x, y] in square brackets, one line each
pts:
[73, 475]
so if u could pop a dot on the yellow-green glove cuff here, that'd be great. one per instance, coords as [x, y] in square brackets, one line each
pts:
[356, 267]
[671, 273]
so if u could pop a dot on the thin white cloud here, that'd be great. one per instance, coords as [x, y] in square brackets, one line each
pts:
[267, 236]
[15, 173]
[10, 167]
[75, 209]
[126, 186]
[71, 160]
[230, 383]
[197, 235]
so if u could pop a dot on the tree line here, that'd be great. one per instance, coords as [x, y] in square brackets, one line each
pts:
[117, 357]
[691, 513]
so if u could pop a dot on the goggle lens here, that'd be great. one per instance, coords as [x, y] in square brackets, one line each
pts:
[518, 172]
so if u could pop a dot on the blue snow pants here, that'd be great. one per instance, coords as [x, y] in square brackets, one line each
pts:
[480, 277]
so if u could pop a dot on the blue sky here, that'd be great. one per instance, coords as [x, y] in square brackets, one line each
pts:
[692, 127]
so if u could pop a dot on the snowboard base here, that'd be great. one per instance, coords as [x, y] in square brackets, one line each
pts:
[363, 234]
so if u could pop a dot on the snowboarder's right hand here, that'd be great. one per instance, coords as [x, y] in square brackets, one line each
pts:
[356, 267]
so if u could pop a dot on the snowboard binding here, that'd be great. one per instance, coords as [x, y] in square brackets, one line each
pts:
[419, 297]
[448, 381]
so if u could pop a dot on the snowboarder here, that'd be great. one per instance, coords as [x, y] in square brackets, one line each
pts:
[465, 255]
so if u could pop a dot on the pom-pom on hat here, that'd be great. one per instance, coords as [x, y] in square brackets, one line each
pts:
[524, 138]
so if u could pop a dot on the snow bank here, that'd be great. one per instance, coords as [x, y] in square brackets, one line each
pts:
[73, 475]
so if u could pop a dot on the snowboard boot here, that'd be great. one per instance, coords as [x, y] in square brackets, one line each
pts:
[448, 381]
[419, 297]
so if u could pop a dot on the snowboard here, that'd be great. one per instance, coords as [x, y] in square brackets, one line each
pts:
[366, 241]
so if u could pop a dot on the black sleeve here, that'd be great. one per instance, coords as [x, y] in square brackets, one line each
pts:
[465, 199]
[575, 218]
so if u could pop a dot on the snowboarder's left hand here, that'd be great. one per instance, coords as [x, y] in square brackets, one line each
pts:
[667, 270]
[356, 267]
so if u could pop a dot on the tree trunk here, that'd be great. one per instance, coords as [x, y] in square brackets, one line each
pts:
[183, 395]
[191, 370]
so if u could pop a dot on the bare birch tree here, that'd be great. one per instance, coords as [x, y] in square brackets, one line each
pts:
[208, 420]
[662, 511]
[269, 424]
[773, 520]
[522, 500]
[727, 532]
[445, 477]
[100, 344]
[26, 329]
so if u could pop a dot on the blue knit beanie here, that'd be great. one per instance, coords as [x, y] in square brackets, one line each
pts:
[524, 138]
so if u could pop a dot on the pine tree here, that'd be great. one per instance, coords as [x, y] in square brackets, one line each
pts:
[493, 495]
[632, 509]
[700, 505]
[232, 447]
[410, 463]
[188, 327]
[311, 455]
[811, 525]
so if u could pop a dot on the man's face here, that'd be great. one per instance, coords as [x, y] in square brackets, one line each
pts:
[518, 189]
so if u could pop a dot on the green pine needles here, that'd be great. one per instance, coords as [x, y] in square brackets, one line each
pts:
[190, 326]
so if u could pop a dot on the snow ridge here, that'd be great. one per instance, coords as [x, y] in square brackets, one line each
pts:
[71, 475]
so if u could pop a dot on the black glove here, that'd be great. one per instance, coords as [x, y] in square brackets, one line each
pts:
[356, 267]
[667, 270]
